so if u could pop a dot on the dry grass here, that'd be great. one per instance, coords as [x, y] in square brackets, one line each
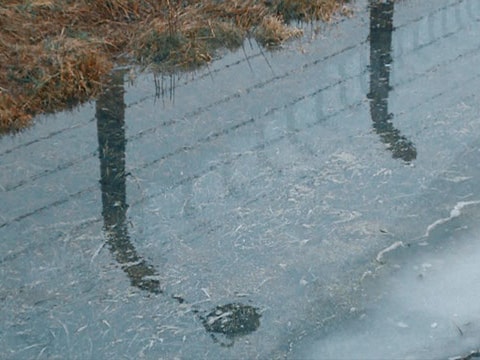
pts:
[56, 53]
[273, 31]
[307, 10]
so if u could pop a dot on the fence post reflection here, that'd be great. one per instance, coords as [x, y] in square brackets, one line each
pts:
[110, 115]
[381, 29]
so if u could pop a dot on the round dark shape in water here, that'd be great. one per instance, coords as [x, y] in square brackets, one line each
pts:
[232, 320]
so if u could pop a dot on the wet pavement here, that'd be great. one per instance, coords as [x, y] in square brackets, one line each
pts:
[259, 207]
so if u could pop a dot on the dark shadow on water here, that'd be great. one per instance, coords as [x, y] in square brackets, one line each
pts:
[110, 114]
[381, 29]
[165, 86]
[230, 320]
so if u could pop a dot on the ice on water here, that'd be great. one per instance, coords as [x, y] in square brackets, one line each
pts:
[423, 302]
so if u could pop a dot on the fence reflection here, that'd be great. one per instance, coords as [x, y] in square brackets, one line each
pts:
[381, 29]
[110, 114]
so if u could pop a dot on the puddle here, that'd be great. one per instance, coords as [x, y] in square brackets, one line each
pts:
[230, 213]
[233, 319]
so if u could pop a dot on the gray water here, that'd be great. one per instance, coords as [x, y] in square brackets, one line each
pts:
[262, 191]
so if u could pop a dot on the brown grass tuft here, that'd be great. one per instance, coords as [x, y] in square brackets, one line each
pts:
[273, 31]
[308, 10]
[56, 53]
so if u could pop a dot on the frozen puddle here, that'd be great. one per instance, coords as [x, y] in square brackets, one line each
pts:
[423, 302]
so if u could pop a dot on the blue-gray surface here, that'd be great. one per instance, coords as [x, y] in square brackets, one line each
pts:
[328, 190]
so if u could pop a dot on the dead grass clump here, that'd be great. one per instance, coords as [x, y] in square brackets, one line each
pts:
[308, 10]
[12, 116]
[73, 66]
[155, 43]
[116, 10]
[273, 31]
[55, 53]
[243, 14]
[187, 40]
[220, 34]
[52, 75]
[189, 35]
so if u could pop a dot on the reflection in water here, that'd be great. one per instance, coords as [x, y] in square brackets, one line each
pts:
[231, 320]
[164, 87]
[110, 111]
[381, 28]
